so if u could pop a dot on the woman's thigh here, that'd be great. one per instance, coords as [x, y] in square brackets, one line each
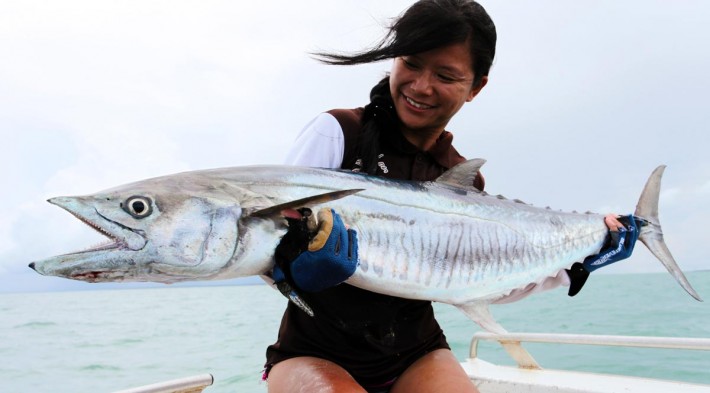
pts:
[437, 371]
[311, 375]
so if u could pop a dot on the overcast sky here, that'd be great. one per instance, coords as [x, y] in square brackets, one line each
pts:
[585, 99]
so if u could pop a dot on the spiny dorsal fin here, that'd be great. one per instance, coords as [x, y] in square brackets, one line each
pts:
[463, 174]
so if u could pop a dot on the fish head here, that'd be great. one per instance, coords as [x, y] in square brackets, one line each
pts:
[157, 231]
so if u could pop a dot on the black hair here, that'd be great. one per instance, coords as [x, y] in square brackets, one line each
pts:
[431, 24]
[426, 25]
[379, 115]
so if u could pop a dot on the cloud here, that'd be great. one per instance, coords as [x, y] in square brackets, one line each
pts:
[6, 241]
[116, 155]
[705, 188]
[670, 196]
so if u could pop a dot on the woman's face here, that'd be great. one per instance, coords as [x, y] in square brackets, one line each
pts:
[430, 87]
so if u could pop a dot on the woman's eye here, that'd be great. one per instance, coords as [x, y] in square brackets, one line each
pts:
[409, 64]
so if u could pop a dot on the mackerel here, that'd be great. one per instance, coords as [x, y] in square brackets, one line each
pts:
[441, 240]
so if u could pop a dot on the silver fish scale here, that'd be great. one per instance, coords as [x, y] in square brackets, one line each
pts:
[470, 245]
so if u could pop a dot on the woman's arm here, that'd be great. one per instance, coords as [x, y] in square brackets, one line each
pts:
[320, 144]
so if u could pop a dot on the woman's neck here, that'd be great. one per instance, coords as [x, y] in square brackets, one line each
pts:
[422, 139]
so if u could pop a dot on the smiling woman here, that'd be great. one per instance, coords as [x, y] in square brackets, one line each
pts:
[583, 96]
[370, 342]
[442, 53]
[429, 88]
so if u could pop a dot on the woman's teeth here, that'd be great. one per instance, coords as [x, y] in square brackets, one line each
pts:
[417, 104]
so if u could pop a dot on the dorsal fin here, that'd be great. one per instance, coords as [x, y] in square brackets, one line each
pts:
[463, 174]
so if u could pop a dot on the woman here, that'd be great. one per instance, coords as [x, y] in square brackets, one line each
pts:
[442, 51]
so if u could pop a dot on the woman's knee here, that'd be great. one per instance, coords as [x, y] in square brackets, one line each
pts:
[437, 371]
[310, 374]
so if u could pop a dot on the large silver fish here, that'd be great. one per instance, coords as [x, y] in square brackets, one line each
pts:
[441, 240]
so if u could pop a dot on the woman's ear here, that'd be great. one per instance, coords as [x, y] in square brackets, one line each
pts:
[477, 89]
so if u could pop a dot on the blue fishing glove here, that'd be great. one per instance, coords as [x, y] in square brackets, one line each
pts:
[292, 244]
[331, 257]
[619, 247]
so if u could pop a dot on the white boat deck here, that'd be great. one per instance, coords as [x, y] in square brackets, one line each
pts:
[530, 378]
[491, 378]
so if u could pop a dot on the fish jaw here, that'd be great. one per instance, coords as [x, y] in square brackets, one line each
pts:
[99, 263]
[123, 237]
[182, 239]
[83, 266]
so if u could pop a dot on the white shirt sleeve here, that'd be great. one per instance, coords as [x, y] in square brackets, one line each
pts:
[320, 144]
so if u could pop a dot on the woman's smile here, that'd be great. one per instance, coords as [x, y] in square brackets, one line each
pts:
[416, 104]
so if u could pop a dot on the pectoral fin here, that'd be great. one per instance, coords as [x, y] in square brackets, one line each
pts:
[303, 202]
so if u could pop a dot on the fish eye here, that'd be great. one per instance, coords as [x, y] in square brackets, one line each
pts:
[138, 206]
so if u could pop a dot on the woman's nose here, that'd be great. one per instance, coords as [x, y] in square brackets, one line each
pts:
[422, 83]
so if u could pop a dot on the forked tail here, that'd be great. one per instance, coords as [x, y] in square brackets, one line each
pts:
[651, 234]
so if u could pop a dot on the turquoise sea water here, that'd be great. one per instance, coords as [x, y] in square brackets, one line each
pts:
[105, 340]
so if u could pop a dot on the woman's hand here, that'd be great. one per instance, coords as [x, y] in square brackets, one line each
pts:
[316, 253]
[623, 233]
[331, 257]
[613, 223]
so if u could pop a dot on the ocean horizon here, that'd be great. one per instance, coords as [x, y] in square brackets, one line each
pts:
[107, 340]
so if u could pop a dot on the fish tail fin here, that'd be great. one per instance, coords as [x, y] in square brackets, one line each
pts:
[651, 234]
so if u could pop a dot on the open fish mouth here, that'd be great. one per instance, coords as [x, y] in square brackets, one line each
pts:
[111, 254]
[118, 235]
[112, 240]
